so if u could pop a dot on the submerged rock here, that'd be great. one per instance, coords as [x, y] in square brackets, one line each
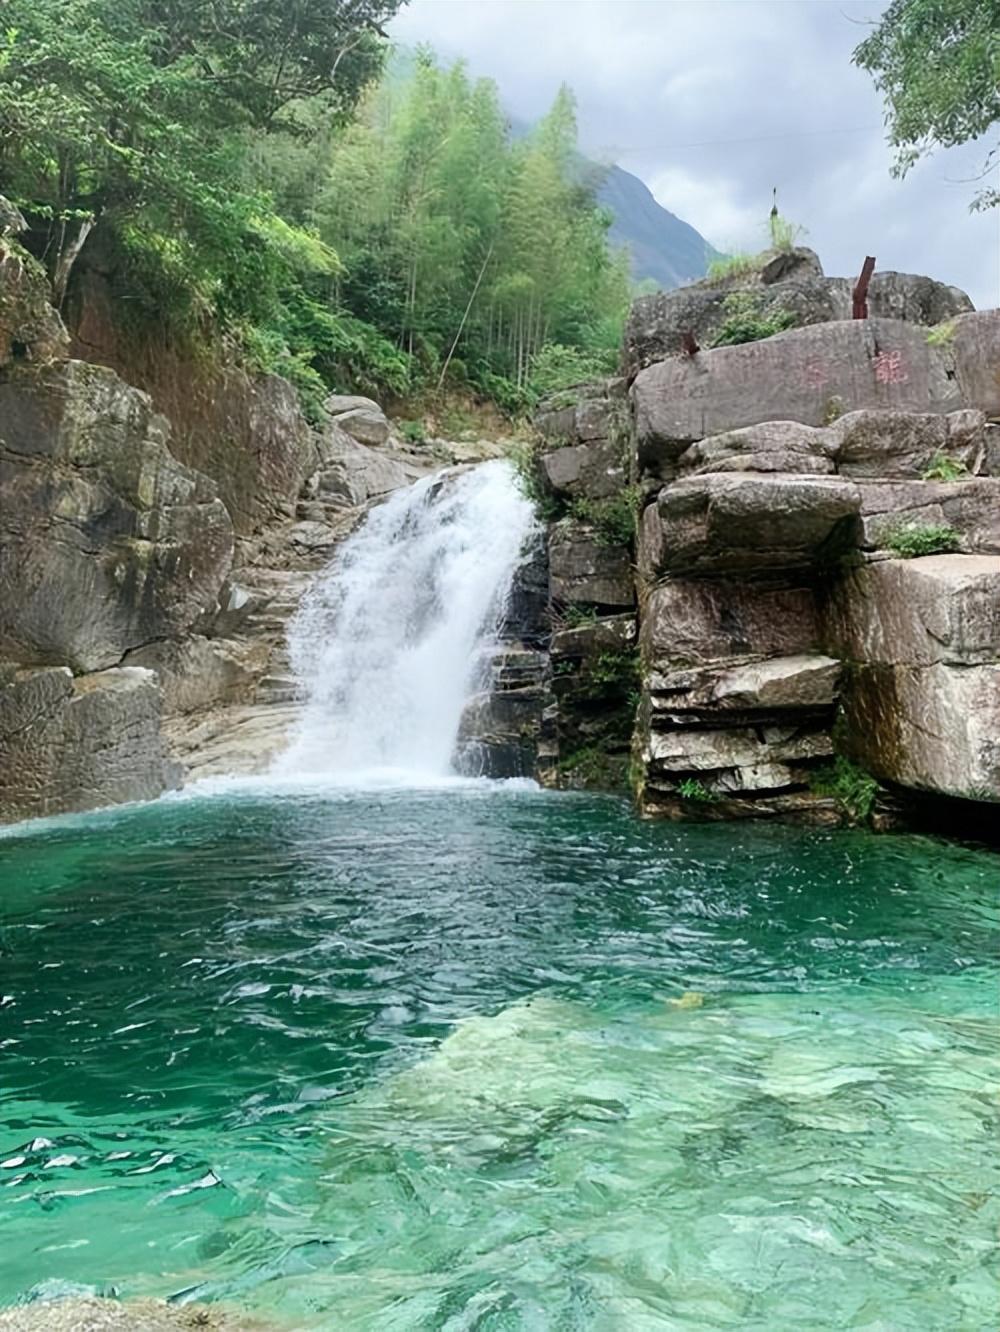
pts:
[91, 1313]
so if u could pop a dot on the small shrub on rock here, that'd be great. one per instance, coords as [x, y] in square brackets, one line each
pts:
[785, 235]
[414, 431]
[941, 335]
[854, 790]
[526, 457]
[613, 519]
[733, 265]
[745, 322]
[691, 789]
[557, 367]
[943, 468]
[911, 540]
[576, 617]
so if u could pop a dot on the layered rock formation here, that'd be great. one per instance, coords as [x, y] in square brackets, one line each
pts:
[771, 584]
[562, 703]
[758, 558]
[815, 558]
[107, 542]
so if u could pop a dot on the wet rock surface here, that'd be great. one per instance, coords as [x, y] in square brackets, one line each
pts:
[77, 744]
[106, 541]
[86, 1313]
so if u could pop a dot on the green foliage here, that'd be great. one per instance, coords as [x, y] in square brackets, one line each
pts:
[575, 617]
[943, 468]
[941, 335]
[131, 116]
[911, 540]
[556, 366]
[526, 457]
[854, 789]
[745, 322]
[733, 265]
[590, 766]
[481, 256]
[133, 126]
[610, 674]
[692, 789]
[833, 409]
[936, 64]
[784, 235]
[613, 519]
[414, 431]
[209, 150]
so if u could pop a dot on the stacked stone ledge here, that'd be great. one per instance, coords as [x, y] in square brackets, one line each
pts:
[777, 473]
[793, 284]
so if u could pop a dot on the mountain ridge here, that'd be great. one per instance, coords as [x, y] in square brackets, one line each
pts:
[663, 247]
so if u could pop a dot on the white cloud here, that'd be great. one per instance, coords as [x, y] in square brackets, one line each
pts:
[709, 203]
[767, 86]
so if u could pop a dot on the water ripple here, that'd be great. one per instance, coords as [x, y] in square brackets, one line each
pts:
[480, 1057]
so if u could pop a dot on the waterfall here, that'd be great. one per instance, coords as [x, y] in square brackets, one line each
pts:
[392, 637]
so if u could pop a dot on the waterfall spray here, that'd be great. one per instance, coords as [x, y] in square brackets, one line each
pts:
[387, 644]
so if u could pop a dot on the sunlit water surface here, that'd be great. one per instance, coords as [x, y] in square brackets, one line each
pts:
[398, 1060]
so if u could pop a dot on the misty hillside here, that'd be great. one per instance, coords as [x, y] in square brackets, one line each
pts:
[663, 247]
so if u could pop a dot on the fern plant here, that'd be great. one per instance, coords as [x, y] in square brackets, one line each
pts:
[943, 468]
[911, 540]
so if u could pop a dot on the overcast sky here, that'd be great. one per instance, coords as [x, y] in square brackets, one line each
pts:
[713, 102]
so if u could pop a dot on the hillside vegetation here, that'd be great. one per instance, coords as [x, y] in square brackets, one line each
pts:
[260, 186]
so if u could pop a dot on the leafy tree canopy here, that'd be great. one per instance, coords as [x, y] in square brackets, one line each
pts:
[130, 112]
[236, 169]
[937, 63]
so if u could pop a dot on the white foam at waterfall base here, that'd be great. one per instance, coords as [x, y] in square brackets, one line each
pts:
[390, 640]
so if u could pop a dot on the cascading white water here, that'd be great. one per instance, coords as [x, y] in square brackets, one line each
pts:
[387, 643]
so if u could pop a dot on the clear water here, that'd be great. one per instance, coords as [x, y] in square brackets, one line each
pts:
[401, 1059]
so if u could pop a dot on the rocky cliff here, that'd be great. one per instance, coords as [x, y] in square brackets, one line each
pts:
[106, 542]
[148, 568]
[814, 581]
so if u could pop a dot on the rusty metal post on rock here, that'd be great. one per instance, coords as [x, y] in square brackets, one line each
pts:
[860, 293]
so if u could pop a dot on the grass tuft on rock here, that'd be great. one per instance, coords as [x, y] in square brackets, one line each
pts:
[745, 322]
[943, 468]
[613, 519]
[909, 541]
